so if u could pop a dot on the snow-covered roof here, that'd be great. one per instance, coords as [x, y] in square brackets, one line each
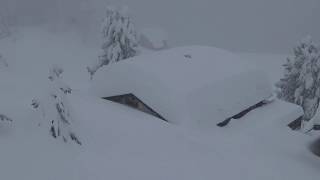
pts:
[205, 84]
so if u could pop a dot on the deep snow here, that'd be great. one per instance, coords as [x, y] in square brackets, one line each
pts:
[121, 143]
[187, 85]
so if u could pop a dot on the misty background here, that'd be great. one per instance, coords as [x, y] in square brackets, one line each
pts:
[272, 26]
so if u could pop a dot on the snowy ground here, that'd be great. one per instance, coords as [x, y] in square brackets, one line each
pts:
[121, 143]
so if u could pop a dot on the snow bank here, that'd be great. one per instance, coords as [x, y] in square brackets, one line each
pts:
[181, 83]
[121, 143]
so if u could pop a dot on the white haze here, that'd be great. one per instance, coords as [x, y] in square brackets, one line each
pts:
[238, 25]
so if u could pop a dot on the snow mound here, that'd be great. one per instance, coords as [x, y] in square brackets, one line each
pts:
[179, 82]
[121, 143]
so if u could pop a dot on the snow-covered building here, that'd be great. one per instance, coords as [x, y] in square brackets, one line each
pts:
[154, 38]
[197, 86]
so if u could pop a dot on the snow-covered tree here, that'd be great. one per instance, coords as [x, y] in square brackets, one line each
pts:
[55, 108]
[119, 39]
[301, 81]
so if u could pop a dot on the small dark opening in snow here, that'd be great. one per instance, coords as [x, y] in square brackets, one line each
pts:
[242, 113]
[315, 147]
[296, 124]
[134, 102]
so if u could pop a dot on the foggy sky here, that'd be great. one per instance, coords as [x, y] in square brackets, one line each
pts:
[238, 25]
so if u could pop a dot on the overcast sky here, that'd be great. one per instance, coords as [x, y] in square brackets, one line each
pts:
[239, 25]
[242, 25]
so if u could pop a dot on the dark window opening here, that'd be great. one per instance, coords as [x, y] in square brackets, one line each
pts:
[296, 124]
[132, 101]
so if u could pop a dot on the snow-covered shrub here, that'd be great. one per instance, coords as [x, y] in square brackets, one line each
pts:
[3, 62]
[119, 39]
[301, 81]
[4, 118]
[4, 27]
[55, 109]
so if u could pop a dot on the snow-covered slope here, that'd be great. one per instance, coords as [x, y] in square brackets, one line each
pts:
[120, 143]
[126, 144]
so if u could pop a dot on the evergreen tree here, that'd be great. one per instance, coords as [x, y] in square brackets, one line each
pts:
[301, 81]
[120, 39]
[55, 108]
